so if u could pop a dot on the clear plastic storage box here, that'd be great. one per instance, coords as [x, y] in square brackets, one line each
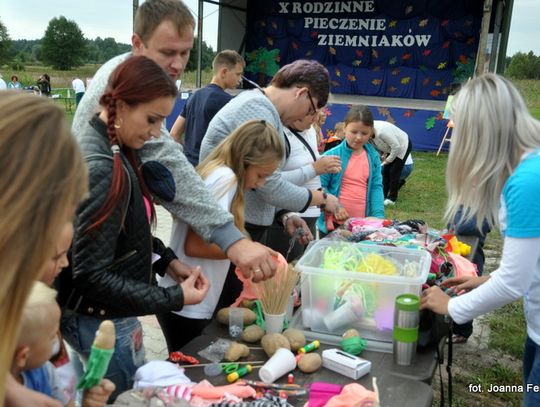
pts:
[354, 285]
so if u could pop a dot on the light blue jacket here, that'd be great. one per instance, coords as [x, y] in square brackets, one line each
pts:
[374, 195]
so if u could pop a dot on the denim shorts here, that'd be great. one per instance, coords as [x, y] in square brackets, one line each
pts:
[79, 332]
[531, 373]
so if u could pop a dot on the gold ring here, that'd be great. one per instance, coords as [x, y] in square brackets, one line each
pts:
[257, 271]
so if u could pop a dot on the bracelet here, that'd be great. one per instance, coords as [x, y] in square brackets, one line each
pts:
[325, 197]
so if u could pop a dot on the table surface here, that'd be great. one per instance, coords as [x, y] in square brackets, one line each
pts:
[401, 386]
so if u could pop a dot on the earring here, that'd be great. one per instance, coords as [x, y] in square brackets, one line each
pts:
[118, 123]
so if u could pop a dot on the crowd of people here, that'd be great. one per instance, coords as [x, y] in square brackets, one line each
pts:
[252, 172]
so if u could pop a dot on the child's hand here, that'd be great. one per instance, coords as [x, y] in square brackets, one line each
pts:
[97, 396]
[327, 164]
[195, 287]
[332, 204]
[341, 214]
[295, 222]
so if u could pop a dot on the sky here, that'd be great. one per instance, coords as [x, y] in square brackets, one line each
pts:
[28, 19]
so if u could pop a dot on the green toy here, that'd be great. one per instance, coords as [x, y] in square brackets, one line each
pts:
[100, 356]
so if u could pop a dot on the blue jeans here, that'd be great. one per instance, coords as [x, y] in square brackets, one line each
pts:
[80, 330]
[531, 372]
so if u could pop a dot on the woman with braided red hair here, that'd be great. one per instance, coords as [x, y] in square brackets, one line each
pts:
[111, 275]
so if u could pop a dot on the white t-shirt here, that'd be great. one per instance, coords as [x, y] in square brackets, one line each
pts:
[301, 158]
[78, 85]
[222, 184]
[3, 84]
[518, 274]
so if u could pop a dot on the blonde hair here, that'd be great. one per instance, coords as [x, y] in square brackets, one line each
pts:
[43, 178]
[253, 143]
[492, 129]
[35, 315]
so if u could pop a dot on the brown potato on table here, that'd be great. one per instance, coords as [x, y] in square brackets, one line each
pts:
[310, 362]
[272, 342]
[350, 333]
[223, 316]
[296, 338]
[236, 351]
[252, 333]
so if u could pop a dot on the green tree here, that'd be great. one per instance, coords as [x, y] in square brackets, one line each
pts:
[63, 45]
[208, 55]
[6, 47]
[524, 66]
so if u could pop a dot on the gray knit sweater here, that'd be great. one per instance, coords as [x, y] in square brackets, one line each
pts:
[277, 192]
[185, 195]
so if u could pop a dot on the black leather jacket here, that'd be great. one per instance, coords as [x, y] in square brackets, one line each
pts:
[110, 273]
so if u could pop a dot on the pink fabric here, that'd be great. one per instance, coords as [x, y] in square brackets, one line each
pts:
[207, 391]
[148, 208]
[321, 392]
[356, 395]
[248, 292]
[352, 194]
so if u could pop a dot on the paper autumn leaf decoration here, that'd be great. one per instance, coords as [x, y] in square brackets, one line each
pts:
[395, 71]
[438, 83]
[263, 23]
[444, 23]
[383, 111]
[332, 50]
[274, 25]
[308, 54]
[270, 41]
[408, 9]
[335, 84]
[406, 80]
[351, 78]
[425, 82]
[445, 44]
[376, 82]
[392, 89]
[392, 23]
[392, 61]
[463, 59]
[423, 22]
[374, 53]
[426, 52]
[470, 40]
[406, 56]
[359, 53]
[338, 73]
[442, 65]
[435, 92]
[294, 45]
[430, 123]
[376, 68]
[356, 62]
[314, 34]
[408, 113]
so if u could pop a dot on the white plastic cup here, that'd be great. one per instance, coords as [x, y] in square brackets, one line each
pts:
[236, 322]
[344, 315]
[290, 308]
[281, 363]
[274, 323]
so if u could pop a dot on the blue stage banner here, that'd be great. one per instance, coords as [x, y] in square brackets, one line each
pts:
[415, 49]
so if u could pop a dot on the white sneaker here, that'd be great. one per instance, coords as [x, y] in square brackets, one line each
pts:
[388, 202]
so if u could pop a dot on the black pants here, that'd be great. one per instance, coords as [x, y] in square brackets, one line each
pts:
[392, 175]
[179, 330]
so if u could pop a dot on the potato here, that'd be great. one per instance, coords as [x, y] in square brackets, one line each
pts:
[236, 351]
[310, 362]
[252, 333]
[223, 316]
[350, 333]
[296, 338]
[272, 342]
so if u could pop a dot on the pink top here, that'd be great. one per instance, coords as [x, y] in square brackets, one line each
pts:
[148, 207]
[354, 185]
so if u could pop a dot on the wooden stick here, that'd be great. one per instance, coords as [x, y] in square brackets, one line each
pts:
[258, 362]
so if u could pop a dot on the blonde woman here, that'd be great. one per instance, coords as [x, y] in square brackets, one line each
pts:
[43, 179]
[493, 170]
[241, 162]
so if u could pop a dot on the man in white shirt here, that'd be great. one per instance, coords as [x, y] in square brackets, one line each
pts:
[3, 84]
[78, 87]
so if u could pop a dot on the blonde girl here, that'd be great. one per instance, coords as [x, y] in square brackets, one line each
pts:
[493, 171]
[43, 180]
[241, 162]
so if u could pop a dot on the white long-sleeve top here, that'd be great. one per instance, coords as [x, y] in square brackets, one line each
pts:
[390, 139]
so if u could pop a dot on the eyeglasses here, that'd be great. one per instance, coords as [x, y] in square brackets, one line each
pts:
[313, 107]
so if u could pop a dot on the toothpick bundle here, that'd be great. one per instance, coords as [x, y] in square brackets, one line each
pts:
[275, 292]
